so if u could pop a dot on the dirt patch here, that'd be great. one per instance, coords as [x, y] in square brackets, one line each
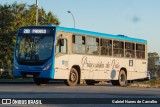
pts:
[139, 85]
[148, 84]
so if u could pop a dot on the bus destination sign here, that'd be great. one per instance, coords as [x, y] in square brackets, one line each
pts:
[36, 31]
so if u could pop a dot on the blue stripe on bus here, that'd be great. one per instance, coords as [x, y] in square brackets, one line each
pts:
[97, 34]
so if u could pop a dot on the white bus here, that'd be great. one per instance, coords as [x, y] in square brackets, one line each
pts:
[72, 55]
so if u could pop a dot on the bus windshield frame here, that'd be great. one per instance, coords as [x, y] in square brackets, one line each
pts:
[34, 46]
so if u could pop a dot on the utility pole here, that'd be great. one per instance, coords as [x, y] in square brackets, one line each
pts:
[36, 12]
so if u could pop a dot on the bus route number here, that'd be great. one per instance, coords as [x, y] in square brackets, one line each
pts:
[26, 31]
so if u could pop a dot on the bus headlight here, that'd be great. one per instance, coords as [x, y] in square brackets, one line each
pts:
[47, 67]
[16, 66]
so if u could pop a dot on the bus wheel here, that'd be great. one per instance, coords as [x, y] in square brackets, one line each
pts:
[115, 82]
[90, 82]
[40, 81]
[73, 78]
[122, 78]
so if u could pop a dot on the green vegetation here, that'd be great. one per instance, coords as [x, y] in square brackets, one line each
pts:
[18, 80]
[153, 82]
[11, 18]
[152, 67]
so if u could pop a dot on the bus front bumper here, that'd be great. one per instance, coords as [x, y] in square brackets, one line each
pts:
[34, 73]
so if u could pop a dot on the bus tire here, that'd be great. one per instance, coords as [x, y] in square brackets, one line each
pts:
[90, 82]
[40, 81]
[115, 82]
[122, 78]
[73, 78]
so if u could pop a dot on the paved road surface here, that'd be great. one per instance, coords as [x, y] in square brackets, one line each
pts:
[60, 90]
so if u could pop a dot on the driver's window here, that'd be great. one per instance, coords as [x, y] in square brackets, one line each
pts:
[64, 46]
[61, 46]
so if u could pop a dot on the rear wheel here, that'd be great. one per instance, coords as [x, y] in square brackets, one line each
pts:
[73, 78]
[122, 78]
[40, 81]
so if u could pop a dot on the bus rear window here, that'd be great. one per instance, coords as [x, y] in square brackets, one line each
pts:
[140, 51]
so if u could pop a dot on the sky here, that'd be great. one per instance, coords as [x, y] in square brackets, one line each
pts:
[133, 18]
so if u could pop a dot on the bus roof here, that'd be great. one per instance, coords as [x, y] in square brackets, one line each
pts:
[97, 34]
[91, 33]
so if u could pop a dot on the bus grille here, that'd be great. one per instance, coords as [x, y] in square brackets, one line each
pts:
[35, 74]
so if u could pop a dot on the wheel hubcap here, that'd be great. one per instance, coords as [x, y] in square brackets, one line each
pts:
[122, 79]
[73, 77]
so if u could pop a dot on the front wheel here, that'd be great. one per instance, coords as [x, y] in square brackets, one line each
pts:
[73, 78]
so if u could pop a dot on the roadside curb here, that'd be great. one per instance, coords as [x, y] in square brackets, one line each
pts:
[27, 82]
[16, 82]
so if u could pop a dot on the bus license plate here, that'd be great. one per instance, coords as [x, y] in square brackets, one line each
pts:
[29, 75]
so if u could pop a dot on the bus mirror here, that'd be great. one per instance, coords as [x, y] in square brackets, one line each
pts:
[97, 40]
[83, 40]
[73, 39]
[62, 42]
[56, 43]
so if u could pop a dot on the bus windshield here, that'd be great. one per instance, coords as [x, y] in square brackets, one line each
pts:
[33, 48]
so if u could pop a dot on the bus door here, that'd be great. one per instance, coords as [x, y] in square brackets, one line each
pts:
[61, 58]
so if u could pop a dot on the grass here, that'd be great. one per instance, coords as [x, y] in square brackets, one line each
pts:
[153, 83]
[16, 80]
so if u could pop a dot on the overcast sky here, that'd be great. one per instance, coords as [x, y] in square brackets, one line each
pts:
[134, 18]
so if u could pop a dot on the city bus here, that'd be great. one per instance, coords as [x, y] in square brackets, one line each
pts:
[73, 55]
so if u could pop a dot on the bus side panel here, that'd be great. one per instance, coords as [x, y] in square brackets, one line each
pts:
[93, 67]
[87, 64]
[61, 67]
[112, 68]
[140, 69]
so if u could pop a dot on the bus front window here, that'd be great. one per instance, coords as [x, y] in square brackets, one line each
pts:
[34, 48]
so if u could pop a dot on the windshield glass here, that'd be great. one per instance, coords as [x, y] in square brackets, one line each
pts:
[34, 48]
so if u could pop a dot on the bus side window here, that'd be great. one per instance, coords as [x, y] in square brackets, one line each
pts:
[78, 44]
[118, 48]
[92, 44]
[106, 47]
[129, 50]
[63, 45]
[140, 51]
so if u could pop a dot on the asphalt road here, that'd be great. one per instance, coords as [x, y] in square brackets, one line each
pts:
[60, 90]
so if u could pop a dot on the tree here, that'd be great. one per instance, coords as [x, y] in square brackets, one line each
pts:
[154, 69]
[11, 18]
